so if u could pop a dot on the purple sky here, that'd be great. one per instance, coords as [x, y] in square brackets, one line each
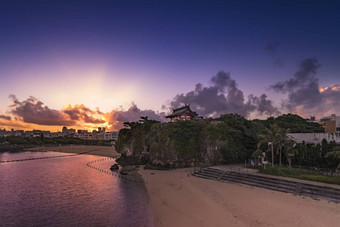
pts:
[108, 54]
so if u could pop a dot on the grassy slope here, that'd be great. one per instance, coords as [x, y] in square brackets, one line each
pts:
[300, 174]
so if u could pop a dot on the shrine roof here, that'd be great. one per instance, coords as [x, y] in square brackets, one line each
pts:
[181, 110]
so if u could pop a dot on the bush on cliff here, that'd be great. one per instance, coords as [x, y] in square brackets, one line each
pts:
[228, 139]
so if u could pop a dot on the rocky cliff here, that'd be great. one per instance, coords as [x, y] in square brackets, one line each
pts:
[184, 143]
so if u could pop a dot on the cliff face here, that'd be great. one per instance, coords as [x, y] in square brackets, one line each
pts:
[180, 144]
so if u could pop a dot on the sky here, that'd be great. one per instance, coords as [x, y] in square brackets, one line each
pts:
[88, 64]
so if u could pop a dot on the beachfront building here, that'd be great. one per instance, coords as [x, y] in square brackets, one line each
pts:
[331, 124]
[83, 135]
[182, 113]
[68, 132]
[314, 138]
[111, 135]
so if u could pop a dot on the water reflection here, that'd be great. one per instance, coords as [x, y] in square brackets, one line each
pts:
[64, 191]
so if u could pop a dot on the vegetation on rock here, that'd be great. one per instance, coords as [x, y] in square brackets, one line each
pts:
[228, 139]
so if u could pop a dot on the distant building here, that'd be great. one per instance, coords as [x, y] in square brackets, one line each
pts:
[101, 134]
[83, 136]
[314, 138]
[331, 124]
[68, 132]
[100, 130]
[82, 131]
[111, 135]
[182, 113]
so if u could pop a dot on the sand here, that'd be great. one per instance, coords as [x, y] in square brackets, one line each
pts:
[179, 199]
[92, 150]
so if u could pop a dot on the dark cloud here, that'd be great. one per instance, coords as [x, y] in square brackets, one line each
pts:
[304, 77]
[272, 47]
[118, 117]
[303, 88]
[222, 97]
[305, 95]
[84, 114]
[8, 118]
[264, 106]
[34, 111]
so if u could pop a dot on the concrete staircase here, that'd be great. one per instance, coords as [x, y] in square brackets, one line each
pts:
[297, 188]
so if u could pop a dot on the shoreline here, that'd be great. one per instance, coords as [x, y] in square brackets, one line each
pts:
[180, 199]
[105, 151]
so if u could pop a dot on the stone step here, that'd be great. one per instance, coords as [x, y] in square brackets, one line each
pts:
[287, 183]
[314, 191]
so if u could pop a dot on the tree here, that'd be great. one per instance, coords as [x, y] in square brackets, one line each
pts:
[290, 151]
[257, 154]
[283, 142]
[334, 154]
[271, 138]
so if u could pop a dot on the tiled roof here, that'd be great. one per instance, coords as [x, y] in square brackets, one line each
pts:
[180, 111]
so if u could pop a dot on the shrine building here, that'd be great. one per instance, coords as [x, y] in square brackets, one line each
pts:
[182, 113]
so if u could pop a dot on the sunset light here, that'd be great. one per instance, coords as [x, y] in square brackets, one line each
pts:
[169, 113]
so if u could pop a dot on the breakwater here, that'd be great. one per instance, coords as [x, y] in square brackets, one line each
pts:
[69, 190]
[117, 174]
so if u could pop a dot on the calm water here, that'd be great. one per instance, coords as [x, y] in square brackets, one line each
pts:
[66, 192]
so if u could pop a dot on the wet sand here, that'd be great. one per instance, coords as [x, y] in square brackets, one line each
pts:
[106, 151]
[179, 199]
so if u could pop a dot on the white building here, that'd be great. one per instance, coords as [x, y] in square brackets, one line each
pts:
[111, 136]
[314, 138]
[83, 136]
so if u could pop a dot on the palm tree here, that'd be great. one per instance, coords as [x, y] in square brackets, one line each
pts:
[283, 141]
[256, 155]
[290, 152]
[335, 154]
[271, 138]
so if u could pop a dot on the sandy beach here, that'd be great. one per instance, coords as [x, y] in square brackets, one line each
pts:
[92, 150]
[179, 199]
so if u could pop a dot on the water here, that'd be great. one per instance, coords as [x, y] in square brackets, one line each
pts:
[68, 191]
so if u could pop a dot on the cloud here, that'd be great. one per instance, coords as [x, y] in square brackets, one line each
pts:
[264, 106]
[34, 111]
[303, 88]
[8, 118]
[305, 95]
[84, 114]
[304, 77]
[4, 123]
[118, 117]
[222, 97]
[272, 47]
[330, 96]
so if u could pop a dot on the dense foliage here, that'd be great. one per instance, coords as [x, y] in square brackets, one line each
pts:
[293, 123]
[310, 155]
[300, 174]
[228, 139]
[231, 136]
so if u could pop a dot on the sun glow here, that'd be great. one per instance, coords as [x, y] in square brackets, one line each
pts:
[333, 87]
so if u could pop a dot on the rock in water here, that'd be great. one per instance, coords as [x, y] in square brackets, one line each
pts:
[114, 167]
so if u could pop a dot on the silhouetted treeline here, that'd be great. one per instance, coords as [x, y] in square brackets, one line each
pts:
[11, 143]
